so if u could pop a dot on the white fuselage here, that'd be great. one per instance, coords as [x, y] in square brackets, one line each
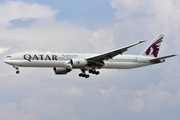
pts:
[63, 60]
[63, 63]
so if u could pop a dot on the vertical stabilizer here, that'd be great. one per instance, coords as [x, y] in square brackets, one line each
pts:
[153, 49]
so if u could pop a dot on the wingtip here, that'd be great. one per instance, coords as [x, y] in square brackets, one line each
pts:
[161, 34]
[142, 41]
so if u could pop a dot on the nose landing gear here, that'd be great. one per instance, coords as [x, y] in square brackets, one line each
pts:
[17, 69]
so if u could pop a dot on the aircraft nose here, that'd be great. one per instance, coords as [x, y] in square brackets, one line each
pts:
[6, 61]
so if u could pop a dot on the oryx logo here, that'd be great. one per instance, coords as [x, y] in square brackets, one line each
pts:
[78, 62]
[155, 48]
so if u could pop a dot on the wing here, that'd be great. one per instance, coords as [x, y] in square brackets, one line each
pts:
[111, 54]
[160, 58]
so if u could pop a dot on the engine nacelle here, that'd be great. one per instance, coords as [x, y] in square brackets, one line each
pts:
[78, 63]
[61, 71]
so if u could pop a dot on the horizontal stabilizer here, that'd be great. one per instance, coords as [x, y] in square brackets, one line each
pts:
[160, 58]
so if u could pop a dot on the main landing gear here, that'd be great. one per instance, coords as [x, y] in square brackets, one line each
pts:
[17, 69]
[83, 74]
[94, 72]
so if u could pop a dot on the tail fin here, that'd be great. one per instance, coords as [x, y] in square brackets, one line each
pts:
[153, 49]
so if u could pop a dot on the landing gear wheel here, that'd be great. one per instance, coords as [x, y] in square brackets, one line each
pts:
[83, 75]
[97, 72]
[80, 75]
[17, 72]
[86, 76]
[93, 71]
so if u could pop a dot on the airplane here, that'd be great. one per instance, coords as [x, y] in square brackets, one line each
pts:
[63, 63]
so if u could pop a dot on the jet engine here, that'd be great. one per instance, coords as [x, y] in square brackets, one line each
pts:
[78, 63]
[61, 71]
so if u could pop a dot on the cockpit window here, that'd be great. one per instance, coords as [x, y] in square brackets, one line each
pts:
[8, 56]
